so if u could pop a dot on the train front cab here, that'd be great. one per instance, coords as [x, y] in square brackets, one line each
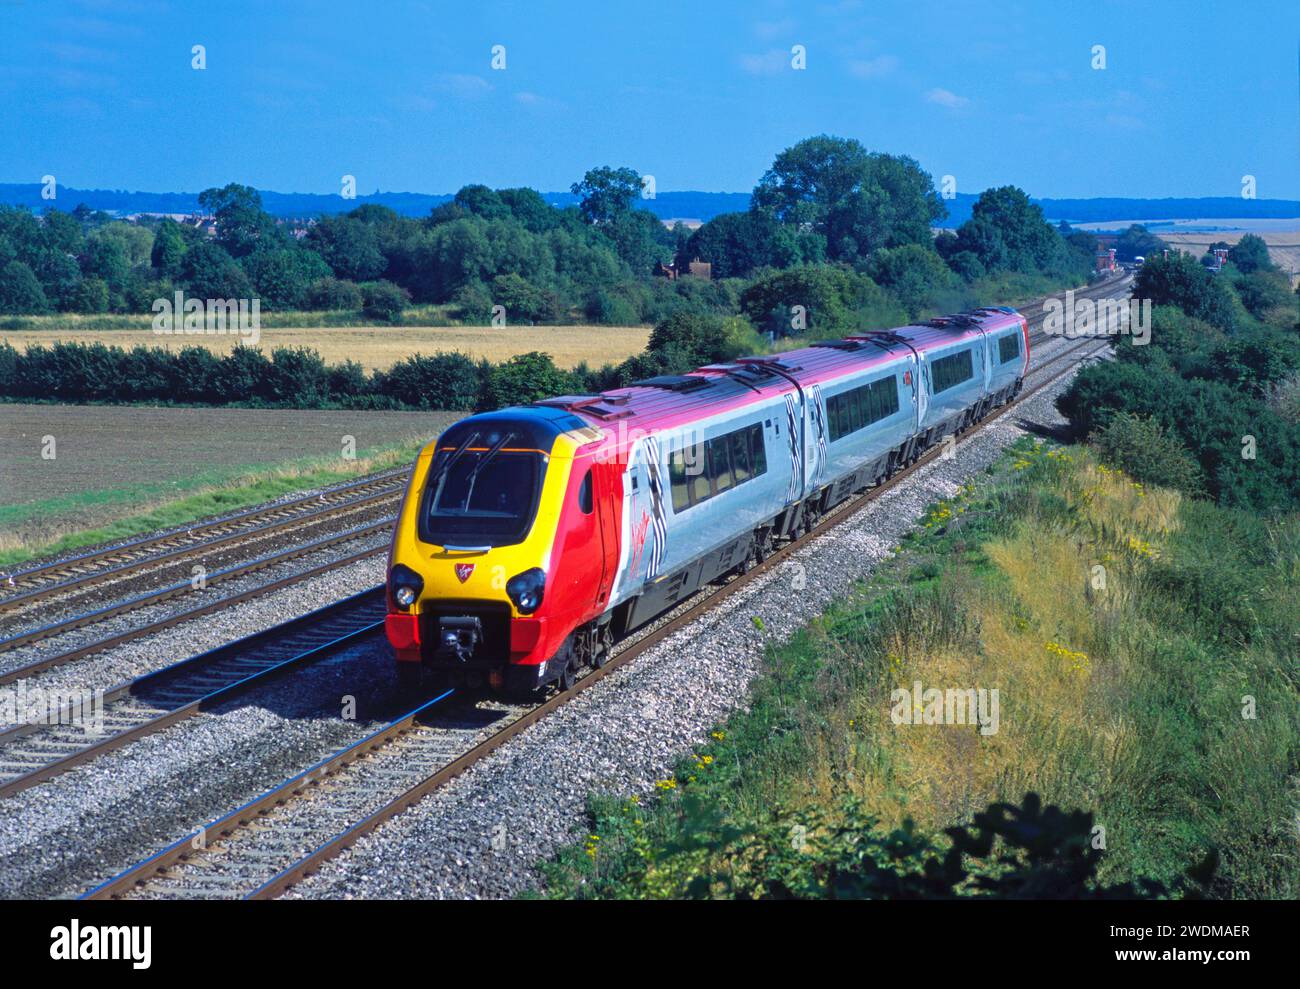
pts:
[504, 545]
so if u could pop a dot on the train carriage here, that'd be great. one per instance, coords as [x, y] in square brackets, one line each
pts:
[532, 538]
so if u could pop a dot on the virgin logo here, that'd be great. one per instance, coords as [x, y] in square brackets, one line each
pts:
[463, 570]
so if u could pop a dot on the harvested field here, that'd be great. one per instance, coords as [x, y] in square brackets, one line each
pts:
[371, 346]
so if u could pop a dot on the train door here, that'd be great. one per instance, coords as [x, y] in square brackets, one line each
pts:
[609, 498]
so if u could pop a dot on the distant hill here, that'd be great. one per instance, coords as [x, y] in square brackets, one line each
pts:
[667, 205]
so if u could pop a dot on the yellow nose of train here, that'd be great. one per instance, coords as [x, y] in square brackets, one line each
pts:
[468, 588]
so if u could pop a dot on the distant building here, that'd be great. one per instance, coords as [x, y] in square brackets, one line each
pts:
[696, 269]
[1105, 260]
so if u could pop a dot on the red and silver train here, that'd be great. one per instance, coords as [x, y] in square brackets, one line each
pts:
[532, 538]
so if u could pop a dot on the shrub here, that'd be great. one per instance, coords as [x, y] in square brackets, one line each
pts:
[441, 381]
[1143, 449]
[334, 293]
[383, 300]
[522, 379]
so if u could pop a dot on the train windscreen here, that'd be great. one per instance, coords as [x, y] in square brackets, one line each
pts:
[481, 497]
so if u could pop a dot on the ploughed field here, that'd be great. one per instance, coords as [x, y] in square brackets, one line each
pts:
[115, 463]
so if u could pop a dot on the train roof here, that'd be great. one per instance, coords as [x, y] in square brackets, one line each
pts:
[672, 400]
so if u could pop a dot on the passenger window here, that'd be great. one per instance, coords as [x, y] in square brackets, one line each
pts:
[699, 480]
[740, 455]
[584, 494]
[758, 453]
[720, 464]
[678, 481]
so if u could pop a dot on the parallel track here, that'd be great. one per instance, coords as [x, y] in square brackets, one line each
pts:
[256, 850]
[31, 754]
[181, 589]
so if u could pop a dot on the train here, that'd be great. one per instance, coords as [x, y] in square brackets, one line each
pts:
[531, 539]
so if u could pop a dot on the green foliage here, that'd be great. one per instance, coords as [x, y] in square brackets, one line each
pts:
[242, 226]
[20, 292]
[1138, 242]
[1143, 449]
[1215, 394]
[1250, 254]
[383, 300]
[606, 193]
[738, 244]
[1262, 290]
[168, 248]
[829, 300]
[333, 293]
[522, 379]
[825, 198]
[1005, 852]
[855, 199]
[918, 276]
[1180, 280]
[440, 381]
[1006, 232]
[209, 272]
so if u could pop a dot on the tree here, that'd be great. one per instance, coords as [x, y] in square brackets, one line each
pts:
[523, 301]
[825, 300]
[349, 246]
[857, 200]
[210, 273]
[279, 276]
[916, 274]
[1250, 254]
[522, 379]
[1179, 280]
[1024, 240]
[168, 248]
[529, 208]
[479, 200]
[20, 291]
[241, 223]
[606, 192]
[105, 258]
[639, 239]
[1138, 242]
[63, 232]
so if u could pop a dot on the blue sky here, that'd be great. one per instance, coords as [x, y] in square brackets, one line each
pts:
[701, 95]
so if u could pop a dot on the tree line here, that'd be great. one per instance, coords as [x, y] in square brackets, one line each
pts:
[826, 204]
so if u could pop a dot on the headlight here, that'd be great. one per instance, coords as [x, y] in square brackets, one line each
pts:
[526, 590]
[404, 585]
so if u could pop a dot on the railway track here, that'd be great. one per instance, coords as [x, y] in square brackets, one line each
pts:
[184, 588]
[58, 577]
[264, 847]
[33, 753]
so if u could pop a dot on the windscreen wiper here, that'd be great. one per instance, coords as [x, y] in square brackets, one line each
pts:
[483, 460]
[451, 461]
